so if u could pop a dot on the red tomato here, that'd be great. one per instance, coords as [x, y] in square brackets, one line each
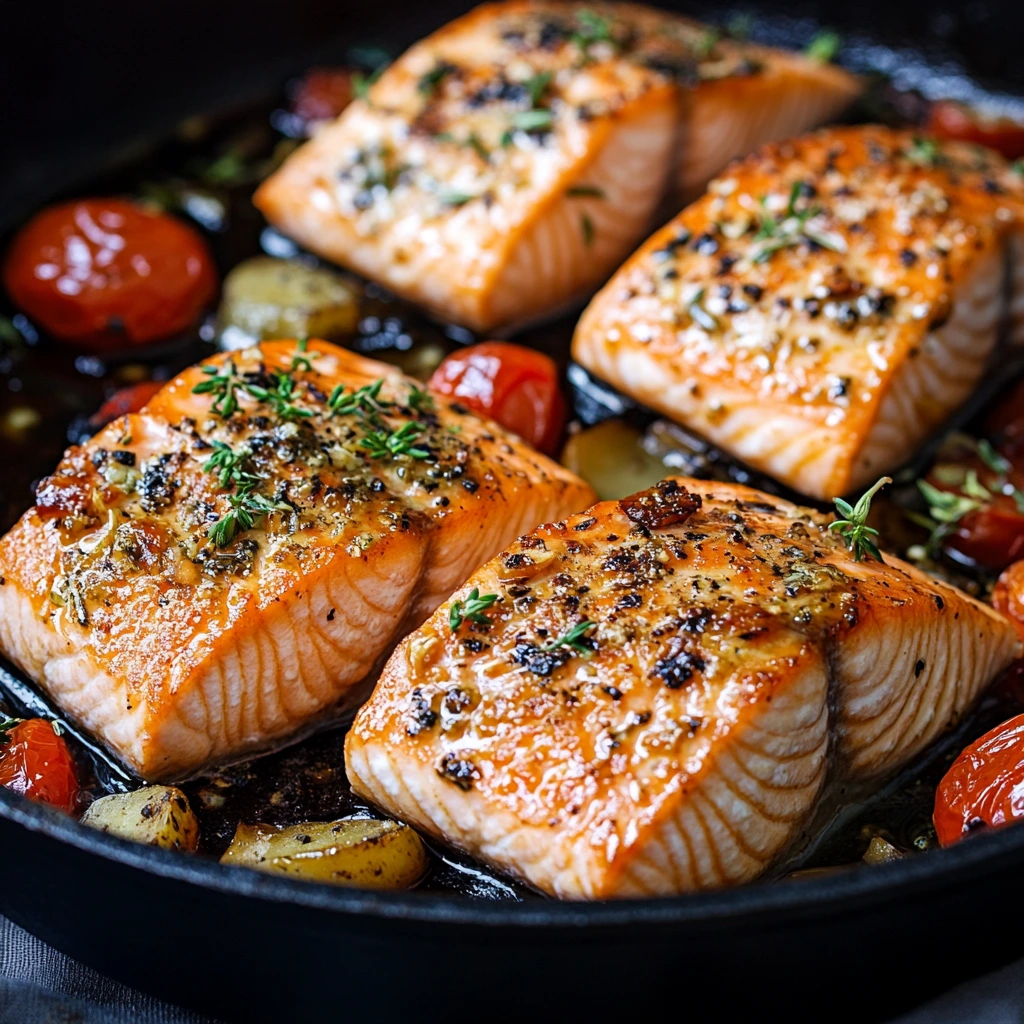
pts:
[1005, 425]
[124, 401]
[993, 536]
[984, 787]
[951, 120]
[105, 273]
[322, 94]
[516, 386]
[1008, 595]
[36, 762]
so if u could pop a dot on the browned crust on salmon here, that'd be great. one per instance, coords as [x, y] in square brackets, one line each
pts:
[179, 642]
[736, 662]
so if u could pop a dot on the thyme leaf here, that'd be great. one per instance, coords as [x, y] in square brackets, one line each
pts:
[471, 610]
[572, 638]
[854, 529]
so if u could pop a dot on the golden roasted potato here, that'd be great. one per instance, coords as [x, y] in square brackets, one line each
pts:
[361, 853]
[611, 458]
[268, 298]
[157, 815]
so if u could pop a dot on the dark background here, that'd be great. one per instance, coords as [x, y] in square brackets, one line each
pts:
[83, 82]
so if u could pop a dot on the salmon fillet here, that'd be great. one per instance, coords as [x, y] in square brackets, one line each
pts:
[212, 574]
[824, 307]
[663, 689]
[505, 165]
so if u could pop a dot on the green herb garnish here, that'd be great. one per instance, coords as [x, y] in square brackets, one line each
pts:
[301, 361]
[420, 400]
[429, 82]
[365, 401]
[854, 527]
[572, 638]
[924, 152]
[536, 85]
[795, 227]
[279, 396]
[700, 315]
[593, 28]
[247, 510]
[383, 444]
[471, 610]
[223, 384]
[229, 467]
[6, 725]
[532, 120]
[824, 47]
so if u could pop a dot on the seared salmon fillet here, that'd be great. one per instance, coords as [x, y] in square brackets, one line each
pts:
[654, 695]
[213, 573]
[505, 165]
[824, 307]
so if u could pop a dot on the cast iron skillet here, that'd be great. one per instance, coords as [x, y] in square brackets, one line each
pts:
[85, 84]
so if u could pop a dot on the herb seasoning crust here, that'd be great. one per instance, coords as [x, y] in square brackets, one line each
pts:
[214, 573]
[506, 164]
[663, 688]
[825, 306]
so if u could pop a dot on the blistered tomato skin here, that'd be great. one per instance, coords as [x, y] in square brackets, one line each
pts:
[107, 274]
[124, 401]
[36, 762]
[952, 120]
[519, 387]
[1008, 595]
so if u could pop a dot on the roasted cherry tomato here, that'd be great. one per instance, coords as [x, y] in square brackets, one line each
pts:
[1005, 425]
[322, 94]
[984, 787]
[120, 403]
[36, 762]
[105, 273]
[992, 536]
[951, 120]
[514, 385]
[1008, 595]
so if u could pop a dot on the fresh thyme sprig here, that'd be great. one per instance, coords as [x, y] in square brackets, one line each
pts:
[572, 638]
[924, 152]
[699, 315]
[420, 400]
[279, 396]
[824, 47]
[381, 444]
[247, 510]
[591, 28]
[471, 610]
[854, 527]
[301, 361]
[796, 226]
[364, 402]
[229, 467]
[223, 384]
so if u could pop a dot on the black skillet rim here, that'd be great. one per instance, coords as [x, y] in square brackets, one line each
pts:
[769, 902]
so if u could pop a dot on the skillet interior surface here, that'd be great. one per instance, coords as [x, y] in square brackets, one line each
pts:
[257, 946]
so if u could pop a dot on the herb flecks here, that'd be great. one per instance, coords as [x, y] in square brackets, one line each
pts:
[247, 511]
[854, 529]
[223, 385]
[573, 638]
[798, 224]
[381, 444]
[229, 465]
[471, 610]
[824, 47]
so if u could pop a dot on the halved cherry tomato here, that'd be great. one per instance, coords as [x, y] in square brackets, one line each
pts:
[516, 386]
[951, 120]
[322, 94]
[36, 762]
[1005, 425]
[124, 401]
[105, 273]
[1008, 595]
[992, 536]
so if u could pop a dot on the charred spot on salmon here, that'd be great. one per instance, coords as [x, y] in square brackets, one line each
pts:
[678, 667]
[665, 504]
[421, 715]
[157, 487]
[458, 770]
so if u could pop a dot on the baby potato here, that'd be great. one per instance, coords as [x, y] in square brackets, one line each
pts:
[156, 815]
[268, 298]
[612, 459]
[361, 853]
